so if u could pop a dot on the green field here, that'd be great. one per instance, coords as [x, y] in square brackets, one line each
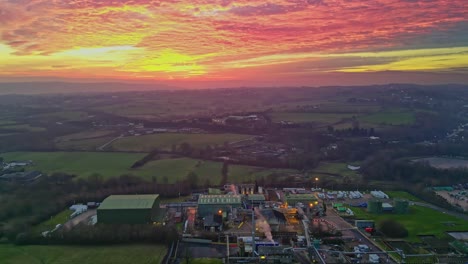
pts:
[420, 221]
[84, 135]
[325, 118]
[6, 122]
[403, 195]
[89, 144]
[82, 164]
[147, 143]
[389, 118]
[177, 169]
[22, 128]
[111, 164]
[118, 254]
[63, 116]
[336, 168]
[328, 107]
[50, 224]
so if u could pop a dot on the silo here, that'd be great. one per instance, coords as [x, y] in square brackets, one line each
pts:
[401, 206]
[374, 206]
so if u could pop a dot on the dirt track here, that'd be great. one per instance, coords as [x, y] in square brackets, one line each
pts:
[81, 218]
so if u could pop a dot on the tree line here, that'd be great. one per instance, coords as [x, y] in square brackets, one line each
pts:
[26, 205]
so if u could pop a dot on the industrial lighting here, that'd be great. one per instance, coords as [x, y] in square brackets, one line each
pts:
[311, 204]
[220, 211]
[262, 257]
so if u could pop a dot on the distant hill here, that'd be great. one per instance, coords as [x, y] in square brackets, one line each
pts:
[71, 87]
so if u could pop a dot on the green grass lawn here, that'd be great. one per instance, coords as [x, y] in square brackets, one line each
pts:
[50, 224]
[398, 117]
[116, 254]
[112, 164]
[147, 143]
[326, 118]
[336, 168]
[420, 221]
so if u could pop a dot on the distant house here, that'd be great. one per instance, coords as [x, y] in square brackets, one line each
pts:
[214, 221]
[9, 165]
[354, 168]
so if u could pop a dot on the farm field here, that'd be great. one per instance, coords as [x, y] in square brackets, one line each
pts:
[147, 143]
[435, 222]
[111, 164]
[444, 163]
[84, 135]
[157, 109]
[116, 254]
[82, 164]
[329, 107]
[299, 117]
[178, 169]
[63, 116]
[336, 168]
[22, 128]
[89, 144]
[5, 122]
[395, 118]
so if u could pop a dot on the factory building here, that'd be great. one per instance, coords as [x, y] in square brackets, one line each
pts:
[255, 199]
[218, 204]
[293, 199]
[129, 209]
[246, 188]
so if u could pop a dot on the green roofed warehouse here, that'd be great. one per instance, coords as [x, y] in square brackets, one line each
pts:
[129, 209]
[215, 204]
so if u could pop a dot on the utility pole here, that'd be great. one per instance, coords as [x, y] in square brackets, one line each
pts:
[227, 248]
[253, 231]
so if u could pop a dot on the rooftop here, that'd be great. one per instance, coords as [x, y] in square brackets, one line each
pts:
[256, 197]
[219, 199]
[301, 196]
[144, 201]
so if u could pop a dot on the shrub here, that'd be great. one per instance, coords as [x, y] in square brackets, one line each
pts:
[393, 229]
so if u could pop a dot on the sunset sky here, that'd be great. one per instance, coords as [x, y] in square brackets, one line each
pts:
[227, 43]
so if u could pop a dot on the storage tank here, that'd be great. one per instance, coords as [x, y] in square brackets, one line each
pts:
[401, 206]
[374, 206]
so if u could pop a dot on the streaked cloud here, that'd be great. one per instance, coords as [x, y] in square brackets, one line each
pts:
[210, 39]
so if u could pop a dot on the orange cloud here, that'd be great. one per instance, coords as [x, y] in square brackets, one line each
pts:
[216, 39]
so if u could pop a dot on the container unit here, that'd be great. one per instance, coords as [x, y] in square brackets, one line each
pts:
[401, 206]
[374, 206]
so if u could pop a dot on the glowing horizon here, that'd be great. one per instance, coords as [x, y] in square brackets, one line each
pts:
[297, 42]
